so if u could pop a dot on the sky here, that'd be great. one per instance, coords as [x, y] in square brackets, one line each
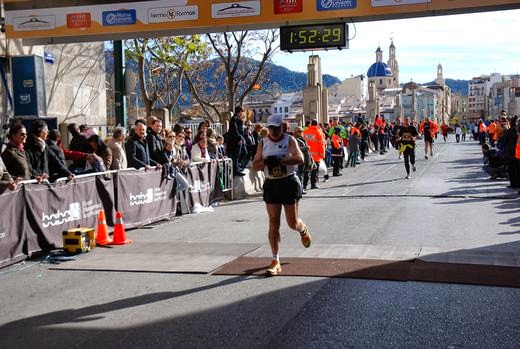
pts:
[466, 45]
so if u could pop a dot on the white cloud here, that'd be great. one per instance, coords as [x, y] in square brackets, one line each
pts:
[466, 45]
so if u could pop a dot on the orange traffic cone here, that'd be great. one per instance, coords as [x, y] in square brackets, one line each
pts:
[119, 231]
[102, 238]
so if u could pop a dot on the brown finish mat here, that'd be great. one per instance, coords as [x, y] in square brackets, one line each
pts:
[411, 270]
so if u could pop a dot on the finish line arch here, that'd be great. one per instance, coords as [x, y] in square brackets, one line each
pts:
[58, 21]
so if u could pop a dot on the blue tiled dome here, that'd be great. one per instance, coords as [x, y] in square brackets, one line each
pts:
[379, 69]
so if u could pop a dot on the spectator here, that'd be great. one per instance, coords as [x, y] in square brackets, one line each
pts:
[137, 152]
[182, 159]
[188, 141]
[117, 145]
[14, 156]
[101, 149]
[153, 138]
[494, 165]
[235, 140]
[308, 162]
[77, 143]
[202, 129]
[167, 159]
[508, 141]
[177, 128]
[212, 143]
[221, 150]
[199, 151]
[149, 123]
[51, 142]
[43, 161]
[6, 181]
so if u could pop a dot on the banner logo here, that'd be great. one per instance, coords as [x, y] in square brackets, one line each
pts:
[150, 196]
[30, 23]
[60, 217]
[325, 5]
[377, 3]
[78, 20]
[141, 198]
[121, 17]
[235, 9]
[288, 6]
[199, 186]
[173, 14]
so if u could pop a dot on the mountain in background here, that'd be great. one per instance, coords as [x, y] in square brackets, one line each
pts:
[457, 86]
[284, 79]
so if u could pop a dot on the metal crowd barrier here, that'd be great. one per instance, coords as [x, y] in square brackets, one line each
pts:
[226, 174]
[193, 127]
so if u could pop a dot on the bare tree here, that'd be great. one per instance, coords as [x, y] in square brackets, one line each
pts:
[235, 52]
[163, 64]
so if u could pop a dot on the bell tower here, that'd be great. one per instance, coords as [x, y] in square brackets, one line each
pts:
[392, 63]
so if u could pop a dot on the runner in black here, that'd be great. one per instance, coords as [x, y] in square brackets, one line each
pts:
[407, 135]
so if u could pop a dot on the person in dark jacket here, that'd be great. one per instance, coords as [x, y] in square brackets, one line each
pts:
[509, 139]
[154, 140]
[137, 153]
[77, 143]
[14, 156]
[51, 142]
[43, 161]
[235, 140]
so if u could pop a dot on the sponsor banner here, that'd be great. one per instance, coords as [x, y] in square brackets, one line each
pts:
[79, 20]
[12, 227]
[377, 3]
[288, 6]
[144, 197]
[326, 5]
[235, 9]
[202, 178]
[54, 208]
[31, 23]
[173, 14]
[120, 17]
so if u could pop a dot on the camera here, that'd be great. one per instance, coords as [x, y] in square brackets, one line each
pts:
[2, 24]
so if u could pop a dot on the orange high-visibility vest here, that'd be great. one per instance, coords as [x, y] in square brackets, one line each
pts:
[491, 127]
[482, 128]
[316, 142]
[517, 154]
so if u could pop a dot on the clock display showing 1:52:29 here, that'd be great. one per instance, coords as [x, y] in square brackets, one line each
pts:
[313, 36]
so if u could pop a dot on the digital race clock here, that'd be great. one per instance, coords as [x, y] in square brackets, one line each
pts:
[313, 37]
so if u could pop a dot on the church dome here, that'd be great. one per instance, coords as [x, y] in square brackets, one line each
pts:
[379, 69]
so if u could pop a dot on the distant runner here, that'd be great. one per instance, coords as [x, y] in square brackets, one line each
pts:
[407, 136]
[427, 129]
[279, 156]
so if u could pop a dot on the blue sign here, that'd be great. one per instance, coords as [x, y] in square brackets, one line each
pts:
[325, 5]
[121, 17]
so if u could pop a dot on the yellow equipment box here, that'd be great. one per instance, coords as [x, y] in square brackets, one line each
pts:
[79, 240]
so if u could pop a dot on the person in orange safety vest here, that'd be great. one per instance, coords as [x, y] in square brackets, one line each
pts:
[316, 140]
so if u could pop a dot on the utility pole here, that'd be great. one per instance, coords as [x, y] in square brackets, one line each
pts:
[119, 82]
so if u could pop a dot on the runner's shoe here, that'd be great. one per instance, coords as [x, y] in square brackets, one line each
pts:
[274, 269]
[414, 168]
[426, 157]
[306, 238]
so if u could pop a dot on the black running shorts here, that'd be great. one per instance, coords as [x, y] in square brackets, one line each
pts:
[284, 191]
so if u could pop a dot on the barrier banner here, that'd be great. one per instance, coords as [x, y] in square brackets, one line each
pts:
[53, 208]
[12, 227]
[202, 178]
[144, 197]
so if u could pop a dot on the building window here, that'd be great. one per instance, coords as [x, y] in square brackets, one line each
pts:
[286, 109]
[380, 81]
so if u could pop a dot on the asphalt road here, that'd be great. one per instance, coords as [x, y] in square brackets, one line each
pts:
[449, 211]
